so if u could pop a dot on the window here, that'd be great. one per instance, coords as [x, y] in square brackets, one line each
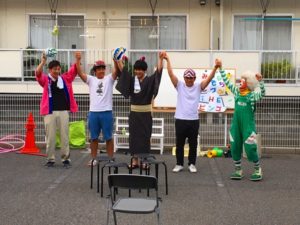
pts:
[274, 31]
[272, 34]
[157, 32]
[247, 34]
[160, 32]
[70, 27]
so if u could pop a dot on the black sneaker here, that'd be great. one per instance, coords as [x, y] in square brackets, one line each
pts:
[66, 163]
[50, 164]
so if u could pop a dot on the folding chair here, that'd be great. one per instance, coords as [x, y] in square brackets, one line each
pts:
[148, 160]
[132, 205]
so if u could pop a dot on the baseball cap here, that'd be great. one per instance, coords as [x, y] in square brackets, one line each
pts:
[99, 63]
[190, 73]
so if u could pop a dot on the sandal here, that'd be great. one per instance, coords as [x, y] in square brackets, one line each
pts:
[145, 166]
[134, 163]
[133, 166]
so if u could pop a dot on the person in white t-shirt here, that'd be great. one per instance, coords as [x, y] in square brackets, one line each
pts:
[100, 114]
[187, 115]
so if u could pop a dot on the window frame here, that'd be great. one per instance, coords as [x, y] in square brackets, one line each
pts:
[262, 31]
[130, 15]
[28, 16]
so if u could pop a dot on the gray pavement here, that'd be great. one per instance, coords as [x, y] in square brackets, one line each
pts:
[31, 194]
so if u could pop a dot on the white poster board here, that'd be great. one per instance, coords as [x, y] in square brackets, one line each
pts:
[215, 98]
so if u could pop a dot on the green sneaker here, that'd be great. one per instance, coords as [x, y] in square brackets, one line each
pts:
[237, 175]
[257, 175]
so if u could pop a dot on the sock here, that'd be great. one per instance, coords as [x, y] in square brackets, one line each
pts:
[256, 165]
[238, 165]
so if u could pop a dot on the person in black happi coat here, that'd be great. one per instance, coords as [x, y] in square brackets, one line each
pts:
[142, 89]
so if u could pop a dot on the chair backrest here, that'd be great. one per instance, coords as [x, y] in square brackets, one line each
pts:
[132, 181]
[122, 123]
[157, 127]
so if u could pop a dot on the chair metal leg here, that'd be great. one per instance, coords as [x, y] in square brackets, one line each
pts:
[92, 172]
[156, 171]
[166, 178]
[102, 169]
[116, 171]
[98, 171]
[115, 217]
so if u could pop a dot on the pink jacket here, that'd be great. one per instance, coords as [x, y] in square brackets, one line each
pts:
[68, 78]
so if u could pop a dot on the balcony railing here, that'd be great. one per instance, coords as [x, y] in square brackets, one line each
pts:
[276, 66]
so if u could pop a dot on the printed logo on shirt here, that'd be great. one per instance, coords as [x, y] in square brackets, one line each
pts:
[242, 103]
[100, 89]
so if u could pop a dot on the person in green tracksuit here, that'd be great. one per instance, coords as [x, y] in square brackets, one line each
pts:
[243, 131]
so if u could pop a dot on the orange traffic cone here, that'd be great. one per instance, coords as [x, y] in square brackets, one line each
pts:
[30, 147]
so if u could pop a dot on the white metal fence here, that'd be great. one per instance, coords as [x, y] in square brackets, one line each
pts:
[278, 120]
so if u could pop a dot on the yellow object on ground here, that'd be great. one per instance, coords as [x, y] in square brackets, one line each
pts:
[186, 151]
[215, 152]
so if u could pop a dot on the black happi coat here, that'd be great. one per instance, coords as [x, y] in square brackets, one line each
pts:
[140, 123]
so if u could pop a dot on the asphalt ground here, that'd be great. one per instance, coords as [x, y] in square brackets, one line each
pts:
[31, 194]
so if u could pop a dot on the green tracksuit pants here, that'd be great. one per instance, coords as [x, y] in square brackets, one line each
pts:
[243, 131]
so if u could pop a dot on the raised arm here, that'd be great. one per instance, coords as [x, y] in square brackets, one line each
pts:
[80, 72]
[120, 65]
[204, 83]
[39, 69]
[259, 94]
[160, 61]
[124, 81]
[115, 70]
[229, 84]
[172, 76]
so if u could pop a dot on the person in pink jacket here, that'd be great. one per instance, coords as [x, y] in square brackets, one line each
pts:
[56, 103]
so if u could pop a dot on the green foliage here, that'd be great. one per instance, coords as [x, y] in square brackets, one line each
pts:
[28, 52]
[64, 68]
[276, 70]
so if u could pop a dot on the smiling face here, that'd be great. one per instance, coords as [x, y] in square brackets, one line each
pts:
[189, 81]
[139, 73]
[55, 71]
[100, 72]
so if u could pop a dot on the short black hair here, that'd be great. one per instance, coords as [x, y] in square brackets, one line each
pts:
[140, 65]
[53, 63]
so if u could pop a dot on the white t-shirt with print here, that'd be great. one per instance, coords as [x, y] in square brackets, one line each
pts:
[187, 101]
[101, 93]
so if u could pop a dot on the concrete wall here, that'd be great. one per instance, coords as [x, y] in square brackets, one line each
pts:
[14, 20]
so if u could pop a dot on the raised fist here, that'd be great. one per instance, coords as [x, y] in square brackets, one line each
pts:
[218, 63]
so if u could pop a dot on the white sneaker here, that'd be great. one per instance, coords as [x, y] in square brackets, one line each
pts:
[94, 162]
[192, 168]
[177, 168]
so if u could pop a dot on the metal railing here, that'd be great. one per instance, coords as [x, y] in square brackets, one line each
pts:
[277, 119]
[276, 66]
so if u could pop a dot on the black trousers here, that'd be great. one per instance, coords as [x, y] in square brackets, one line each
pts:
[186, 129]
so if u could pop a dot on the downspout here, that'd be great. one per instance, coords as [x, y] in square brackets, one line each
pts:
[221, 26]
